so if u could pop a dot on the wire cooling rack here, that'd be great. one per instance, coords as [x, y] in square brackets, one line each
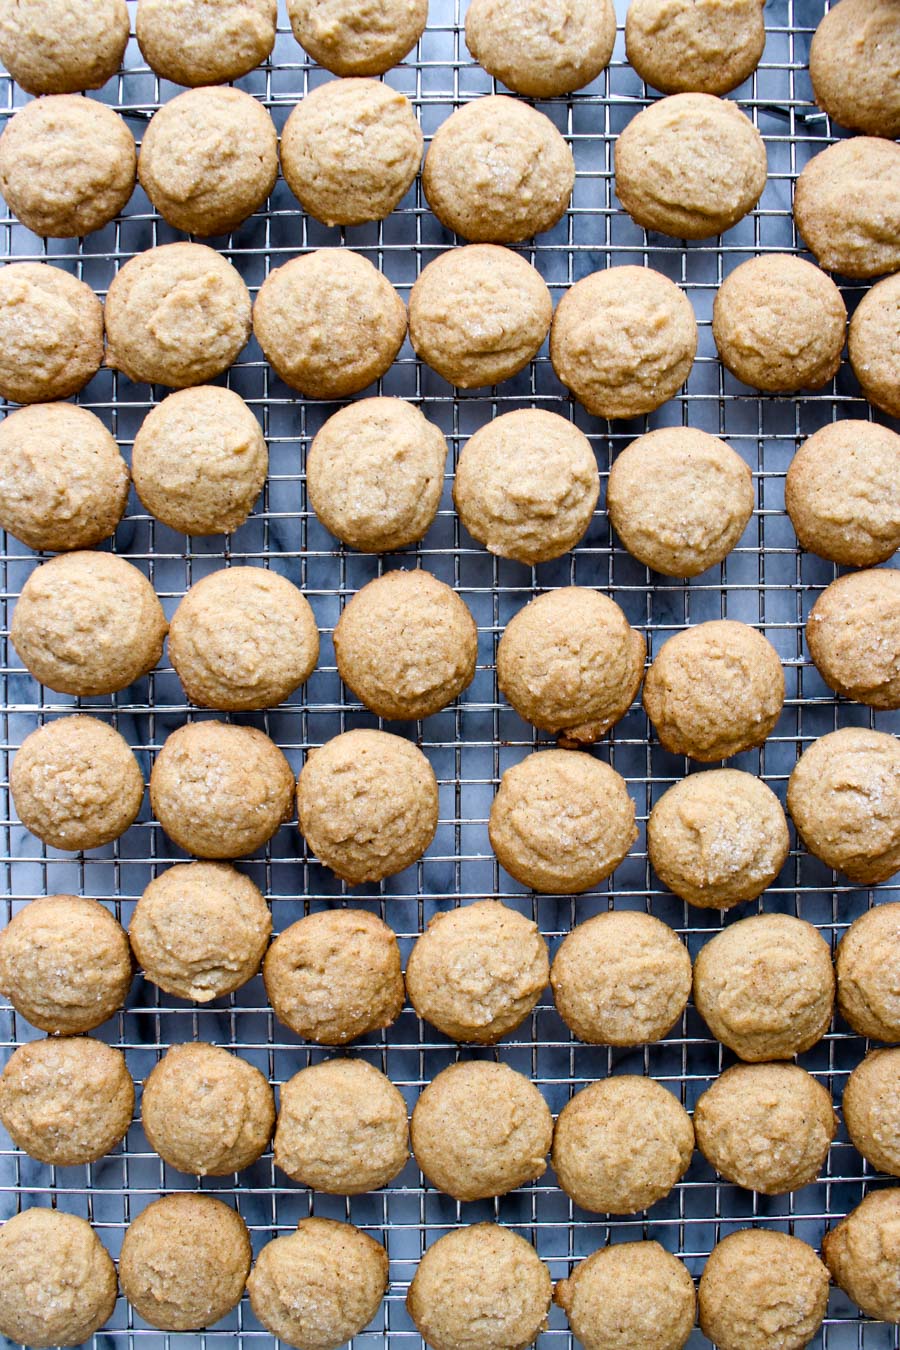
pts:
[766, 581]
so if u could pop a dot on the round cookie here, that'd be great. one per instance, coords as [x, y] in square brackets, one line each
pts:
[480, 1129]
[375, 474]
[349, 40]
[62, 46]
[329, 323]
[628, 1295]
[243, 638]
[762, 1290]
[861, 1253]
[320, 1286]
[87, 624]
[65, 964]
[342, 1128]
[478, 315]
[767, 1127]
[871, 1107]
[220, 791]
[842, 493]
[367, 803]
[350, 151]
[209, 159]
[199, 930]
[702, 46]
[679, 500]
[483, 1286]
[765, 987]
[57, 1283]
[874, 345]
[690, 166]
[185, 1261]
[621, 978]
[335, 975]
[527, 485]
[853, 635]
[570, 663]
[779, 324]
[714, 690]
[539, 50]
[480, 158]
[561, 821]
[200, 460]
[51, 333]
[623, 340]
[193, 42]
[206, 1111]
[477, 972]
[844, 798]
[75, 783]
[847, 206]
[621, 1144]
[66, 1102]
[718, 838]
[853, 62]
[66, 165]
[868, 973]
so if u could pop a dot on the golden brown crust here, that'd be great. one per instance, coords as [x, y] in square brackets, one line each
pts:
[62, 46]
[192, 42]
[853, 635]
[538, 49]
[871, 1107]
[847, 206]
[854, 58]
[868, 973]
[628, 1295]
[358, 37]
[762, 1290]
[706, 46]
[874, 345]
[57, 1282]
[51, 333]
[861, 1253]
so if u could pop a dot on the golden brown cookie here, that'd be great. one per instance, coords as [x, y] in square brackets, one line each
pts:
[871, 1107]
[844, 798]
[538, 49]
[868, 973]
[561, 821]
[628, 1295]
[335, 975]
[57, 1283]
[51, 333]
[193, 42]
[477, 972]
[854, 58]
[623, 340]
[765, 986]
[705, 46]
[861, 1253]
[478, 161]
[762, 1290]
[62, 46]
[847, 206]
[352, 39]
[853, 635]
[621, 1144]
[874, 345]
[478, 315]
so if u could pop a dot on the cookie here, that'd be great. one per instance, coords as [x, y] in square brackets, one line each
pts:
[199, 930]
[319, 1286]
[867, 965]
[184, 1262]
[75, 783]
[87, 624]
[853, 635]
[478, 971]
[375, 474]
[690, 166]
[779, 324]
[628, 1295]
[243, 638]
[478, 315]
[874, 345]
[570, 663]
[621, 1144]
[209, 159]
[842, 493]
[335, 975]
[847, 206]
[66, 165]
[65, 964]
[538, 52]
[861, 1254]
[406, 645]
[342, 1128]
[561, 821]
[57, 1283]
[762, 1290]
[844, 798]
[682, 46]
[718, 838]
[349, 40]
[220, 791]
[51, 333]
[765, 986]
[714, 690]
[483, 1286]
[66, 1102]
[621, 978]
[480, 1129]
[478, 161]
[62, 46]
[623, 340]
[193, 42]
[329, 323]
[350, 151]
[871, 1107]
[679, 500]
[766, 1127]
[853, 62]
[367, 803]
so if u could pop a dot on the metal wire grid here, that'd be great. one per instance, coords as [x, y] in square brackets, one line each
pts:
[766, 581]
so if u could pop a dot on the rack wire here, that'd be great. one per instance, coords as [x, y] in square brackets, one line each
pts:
[766, 581]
